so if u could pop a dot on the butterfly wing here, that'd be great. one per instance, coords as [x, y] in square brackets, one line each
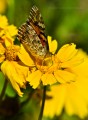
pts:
[32, 35]
[36, 18]
[36, 21]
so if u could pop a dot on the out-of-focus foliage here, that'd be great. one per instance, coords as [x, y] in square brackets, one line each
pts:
[66, 21]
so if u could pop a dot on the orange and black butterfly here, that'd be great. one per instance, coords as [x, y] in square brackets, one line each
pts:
[32, 36]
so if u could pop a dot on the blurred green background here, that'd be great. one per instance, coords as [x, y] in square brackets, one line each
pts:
[65, 20]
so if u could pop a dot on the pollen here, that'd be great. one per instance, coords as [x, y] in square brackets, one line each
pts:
[48, 65]
[11, 52]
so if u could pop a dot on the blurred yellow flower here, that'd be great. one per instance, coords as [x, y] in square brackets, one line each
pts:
[3, 5]
[7, 32]
[10, 66]
[72, 97]
[55, 68]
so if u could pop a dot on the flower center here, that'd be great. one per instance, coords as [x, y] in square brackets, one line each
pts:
[11, 52]
[48, 65]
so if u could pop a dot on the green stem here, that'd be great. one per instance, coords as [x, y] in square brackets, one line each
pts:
[43, 103]
[3, 90]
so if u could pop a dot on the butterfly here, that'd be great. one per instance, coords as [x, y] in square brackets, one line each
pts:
[32, 35]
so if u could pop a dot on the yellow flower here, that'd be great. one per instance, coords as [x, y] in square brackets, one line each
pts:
[14, 72]
[55, 68]
[72, 97]
[67, 58]
[7, 32]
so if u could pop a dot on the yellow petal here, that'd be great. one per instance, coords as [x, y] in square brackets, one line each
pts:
[15, 73]
[3, 21]
[52, 45]
[16, 87]
[82, 69]
[54, 105]
[75, 61]
[2, 32]
[67, 96]
[8, 40]
[10, 72]
[63, 76]
[34, 78]
[20, 72]
[67, 52]
[11, 30]
[2, 58]
[24, 57]
[48, 79]
[75, 103]
[2, 49]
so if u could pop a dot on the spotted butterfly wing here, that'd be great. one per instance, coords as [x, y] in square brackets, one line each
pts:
[32, 35]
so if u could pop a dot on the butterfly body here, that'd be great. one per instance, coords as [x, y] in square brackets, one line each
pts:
[32, 36]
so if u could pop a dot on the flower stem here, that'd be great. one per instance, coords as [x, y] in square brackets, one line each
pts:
[43, 102]
[3, 90]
